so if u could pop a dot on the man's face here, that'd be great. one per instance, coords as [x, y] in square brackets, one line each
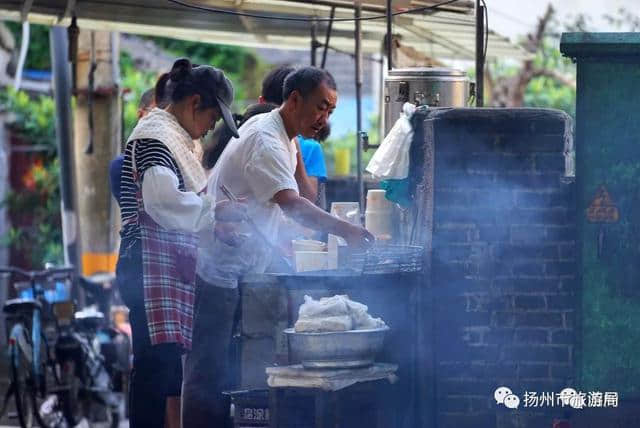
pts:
[313, 111]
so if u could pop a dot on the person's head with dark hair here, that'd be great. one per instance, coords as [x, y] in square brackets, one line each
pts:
[146, 103]
[256, 109]
[310, 96]
[199, 97]
[160, 94]
[273, 85]
[307, 79]
[323, 133]
[222, 135]
[163, 88]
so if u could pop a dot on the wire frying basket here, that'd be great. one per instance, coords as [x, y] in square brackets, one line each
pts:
[388, 258]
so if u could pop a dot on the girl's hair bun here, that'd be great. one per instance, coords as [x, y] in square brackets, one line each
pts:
[180, 70]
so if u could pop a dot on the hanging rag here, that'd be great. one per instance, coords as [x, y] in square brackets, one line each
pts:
[391, 160]
[397, 191]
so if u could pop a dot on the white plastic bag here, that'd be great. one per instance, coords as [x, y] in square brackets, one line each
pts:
[338, 323]
[337, 313]
[391, 160]
[325, 307]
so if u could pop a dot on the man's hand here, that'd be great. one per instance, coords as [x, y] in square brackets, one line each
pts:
[307, 214]
[227, 233]
[231, 211]
[358, 237]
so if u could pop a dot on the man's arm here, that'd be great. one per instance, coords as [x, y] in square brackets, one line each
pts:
[307, 214]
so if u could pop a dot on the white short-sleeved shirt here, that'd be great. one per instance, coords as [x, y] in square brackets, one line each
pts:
[256, 166]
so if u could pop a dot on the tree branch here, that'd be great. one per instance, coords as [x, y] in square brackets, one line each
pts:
[534, 41]
[553, 74]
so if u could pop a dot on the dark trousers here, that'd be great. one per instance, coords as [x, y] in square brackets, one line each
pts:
[206, 366]
[157, 369]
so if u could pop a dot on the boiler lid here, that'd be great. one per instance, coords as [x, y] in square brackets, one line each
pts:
[425, 72]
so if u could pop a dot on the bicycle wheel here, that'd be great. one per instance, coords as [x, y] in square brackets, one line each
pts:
[23, 383]
[71, 405]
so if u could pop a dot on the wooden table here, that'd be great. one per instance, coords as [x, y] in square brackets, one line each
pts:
[343, 398]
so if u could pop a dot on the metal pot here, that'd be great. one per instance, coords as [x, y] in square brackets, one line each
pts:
[340, 349]
[432, 86]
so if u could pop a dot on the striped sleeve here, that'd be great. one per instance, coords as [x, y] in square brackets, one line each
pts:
[148, 153]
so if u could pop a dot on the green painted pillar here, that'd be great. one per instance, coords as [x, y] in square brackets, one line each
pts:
[608, 196]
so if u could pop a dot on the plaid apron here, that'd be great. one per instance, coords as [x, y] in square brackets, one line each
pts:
[169, 271]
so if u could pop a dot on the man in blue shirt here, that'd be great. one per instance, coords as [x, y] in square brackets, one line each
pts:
[145, 105]
[313, 159]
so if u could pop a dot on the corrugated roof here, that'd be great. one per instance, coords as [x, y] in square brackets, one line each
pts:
[444, 34]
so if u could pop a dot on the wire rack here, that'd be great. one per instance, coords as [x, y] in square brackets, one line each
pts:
[387, 258]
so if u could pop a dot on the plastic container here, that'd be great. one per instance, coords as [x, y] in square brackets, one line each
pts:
[308, 245]
[311, 260]
[378, 215]
[53, 293]
[379, 224]
[342, 160]
[377, 201]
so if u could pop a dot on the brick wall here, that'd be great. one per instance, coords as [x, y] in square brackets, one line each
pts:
[504, 263]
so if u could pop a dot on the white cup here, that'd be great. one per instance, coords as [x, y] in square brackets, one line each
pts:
[376, 200]
[379, 224]
[377, 217]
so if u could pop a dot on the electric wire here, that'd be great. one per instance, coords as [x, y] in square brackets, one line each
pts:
[309, 19]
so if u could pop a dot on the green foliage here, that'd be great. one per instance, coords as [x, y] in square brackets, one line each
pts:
[546, 91]
[137, 82]
[39, 201]
[33, 117]
[349, 141]
[35, 207]
[240, 65]
[38, 56]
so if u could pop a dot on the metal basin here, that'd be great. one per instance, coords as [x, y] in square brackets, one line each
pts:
[341, 349]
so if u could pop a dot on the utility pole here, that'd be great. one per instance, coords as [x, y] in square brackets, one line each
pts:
[97, 134]
[59, 43]
[480, 53]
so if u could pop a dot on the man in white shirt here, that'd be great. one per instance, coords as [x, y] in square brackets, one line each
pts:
[260, 167]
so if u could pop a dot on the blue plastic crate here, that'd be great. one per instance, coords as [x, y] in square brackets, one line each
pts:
[61, 293]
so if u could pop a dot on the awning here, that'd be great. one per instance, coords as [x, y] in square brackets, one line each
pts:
[445, 33]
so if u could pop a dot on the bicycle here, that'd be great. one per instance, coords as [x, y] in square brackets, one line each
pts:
[28, 346]
[93, 358]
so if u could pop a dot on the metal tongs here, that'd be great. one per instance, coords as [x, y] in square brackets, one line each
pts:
[257, 231]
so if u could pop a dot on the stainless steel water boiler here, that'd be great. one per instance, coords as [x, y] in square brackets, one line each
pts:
[433, 86]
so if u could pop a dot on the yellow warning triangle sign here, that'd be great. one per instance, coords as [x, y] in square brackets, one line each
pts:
[602, 208]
